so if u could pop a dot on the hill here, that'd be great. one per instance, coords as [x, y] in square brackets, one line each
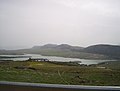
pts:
[64, 50]
[58, 47]
[113, 51]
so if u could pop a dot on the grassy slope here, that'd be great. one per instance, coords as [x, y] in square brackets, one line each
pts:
[115, 65]
[66, 53]
[47, 72]
[56, 52]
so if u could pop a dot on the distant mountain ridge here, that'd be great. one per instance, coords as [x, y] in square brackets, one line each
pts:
[46, 46]
[58, 47]
[100, 51]
[109, 50]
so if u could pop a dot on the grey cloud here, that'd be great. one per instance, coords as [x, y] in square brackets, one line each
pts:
[76, 22]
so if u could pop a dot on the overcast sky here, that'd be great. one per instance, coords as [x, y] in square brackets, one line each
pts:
[25, 23]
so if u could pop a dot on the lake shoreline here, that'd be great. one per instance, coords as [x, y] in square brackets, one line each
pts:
[51, 58]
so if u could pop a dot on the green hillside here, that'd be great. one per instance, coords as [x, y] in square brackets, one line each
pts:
[92, 52]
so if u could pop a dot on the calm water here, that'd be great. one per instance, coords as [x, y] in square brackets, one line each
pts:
[51, 58]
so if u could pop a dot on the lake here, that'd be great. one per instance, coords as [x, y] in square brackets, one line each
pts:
[51, 58]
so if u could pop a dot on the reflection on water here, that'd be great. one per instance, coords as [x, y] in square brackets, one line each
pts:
[51, 58]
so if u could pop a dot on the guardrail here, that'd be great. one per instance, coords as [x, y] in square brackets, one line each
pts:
[21, 86]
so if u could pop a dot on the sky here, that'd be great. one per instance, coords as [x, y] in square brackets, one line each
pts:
[26, 23]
